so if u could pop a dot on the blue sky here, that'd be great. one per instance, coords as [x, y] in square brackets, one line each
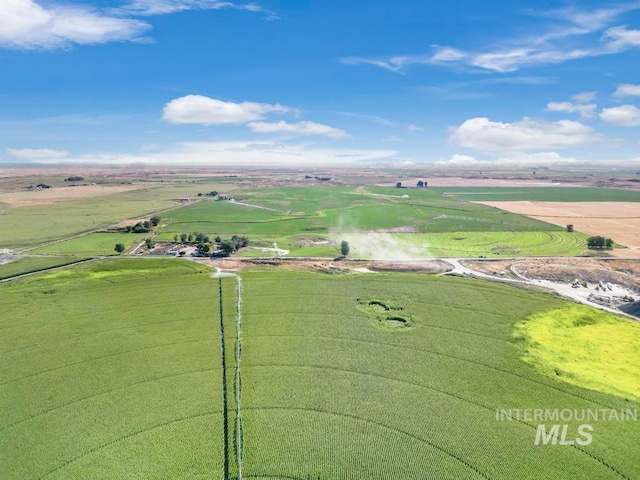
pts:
[284, 82]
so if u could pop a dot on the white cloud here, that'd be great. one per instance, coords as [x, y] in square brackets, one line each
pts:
[300, 128]
[514, 160]
[243, 153]
[584, 97]
[551, 44]
[415, 128]
[620, 38]
[392, 138]
[459, 160]
[36, 153]
[627, 90]
[49, 24]
[585, 111]
[197, 109]
[528, 134]
[163, 7]
[624, 115]
[25, 24]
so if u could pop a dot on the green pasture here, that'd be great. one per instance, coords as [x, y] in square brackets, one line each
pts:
[113, 370]
[92, 244]
[540, 194]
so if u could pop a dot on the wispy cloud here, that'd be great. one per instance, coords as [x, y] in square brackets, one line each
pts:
[514, 160]
[163, 7]
[481, 88]
[584, 110]
[246, 153]
[568, 36]
[369, 118]
[297, 129]
[36, 153]
[584, 97]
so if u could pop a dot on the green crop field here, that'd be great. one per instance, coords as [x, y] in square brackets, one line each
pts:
[336, 387]
[430, 245]
[313, 210]
[92, 244]
[541, 194]
[34, 264]
[111, 371]
[114, 370]
[467, 244]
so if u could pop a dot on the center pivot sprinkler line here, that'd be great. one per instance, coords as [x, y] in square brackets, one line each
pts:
[238, 378]
[225, 409]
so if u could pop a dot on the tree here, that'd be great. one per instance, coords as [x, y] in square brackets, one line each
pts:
[155, 221]
[183, 237]
[344, 248]
[597, 242]
[569, 228]
[190, 237]
[420, 184]
[120, 248]
[226, 247]
[217, 239]
[141, 227]
[399, 185]
[239, 242]
[150, 243]
[204, 248]
[176, 237]
[608, 243]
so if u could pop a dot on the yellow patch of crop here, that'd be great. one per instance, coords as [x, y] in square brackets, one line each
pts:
[585, 347]
[58, 274]
[119, 273]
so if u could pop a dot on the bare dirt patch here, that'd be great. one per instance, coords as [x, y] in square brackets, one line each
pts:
[566, 270]
[326, 266]
[617, 220]
[52, 195]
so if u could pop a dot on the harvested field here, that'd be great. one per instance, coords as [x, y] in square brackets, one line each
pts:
[618, 220]
[52, 195]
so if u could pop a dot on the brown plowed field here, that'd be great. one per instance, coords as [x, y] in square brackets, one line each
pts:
[617, 220]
